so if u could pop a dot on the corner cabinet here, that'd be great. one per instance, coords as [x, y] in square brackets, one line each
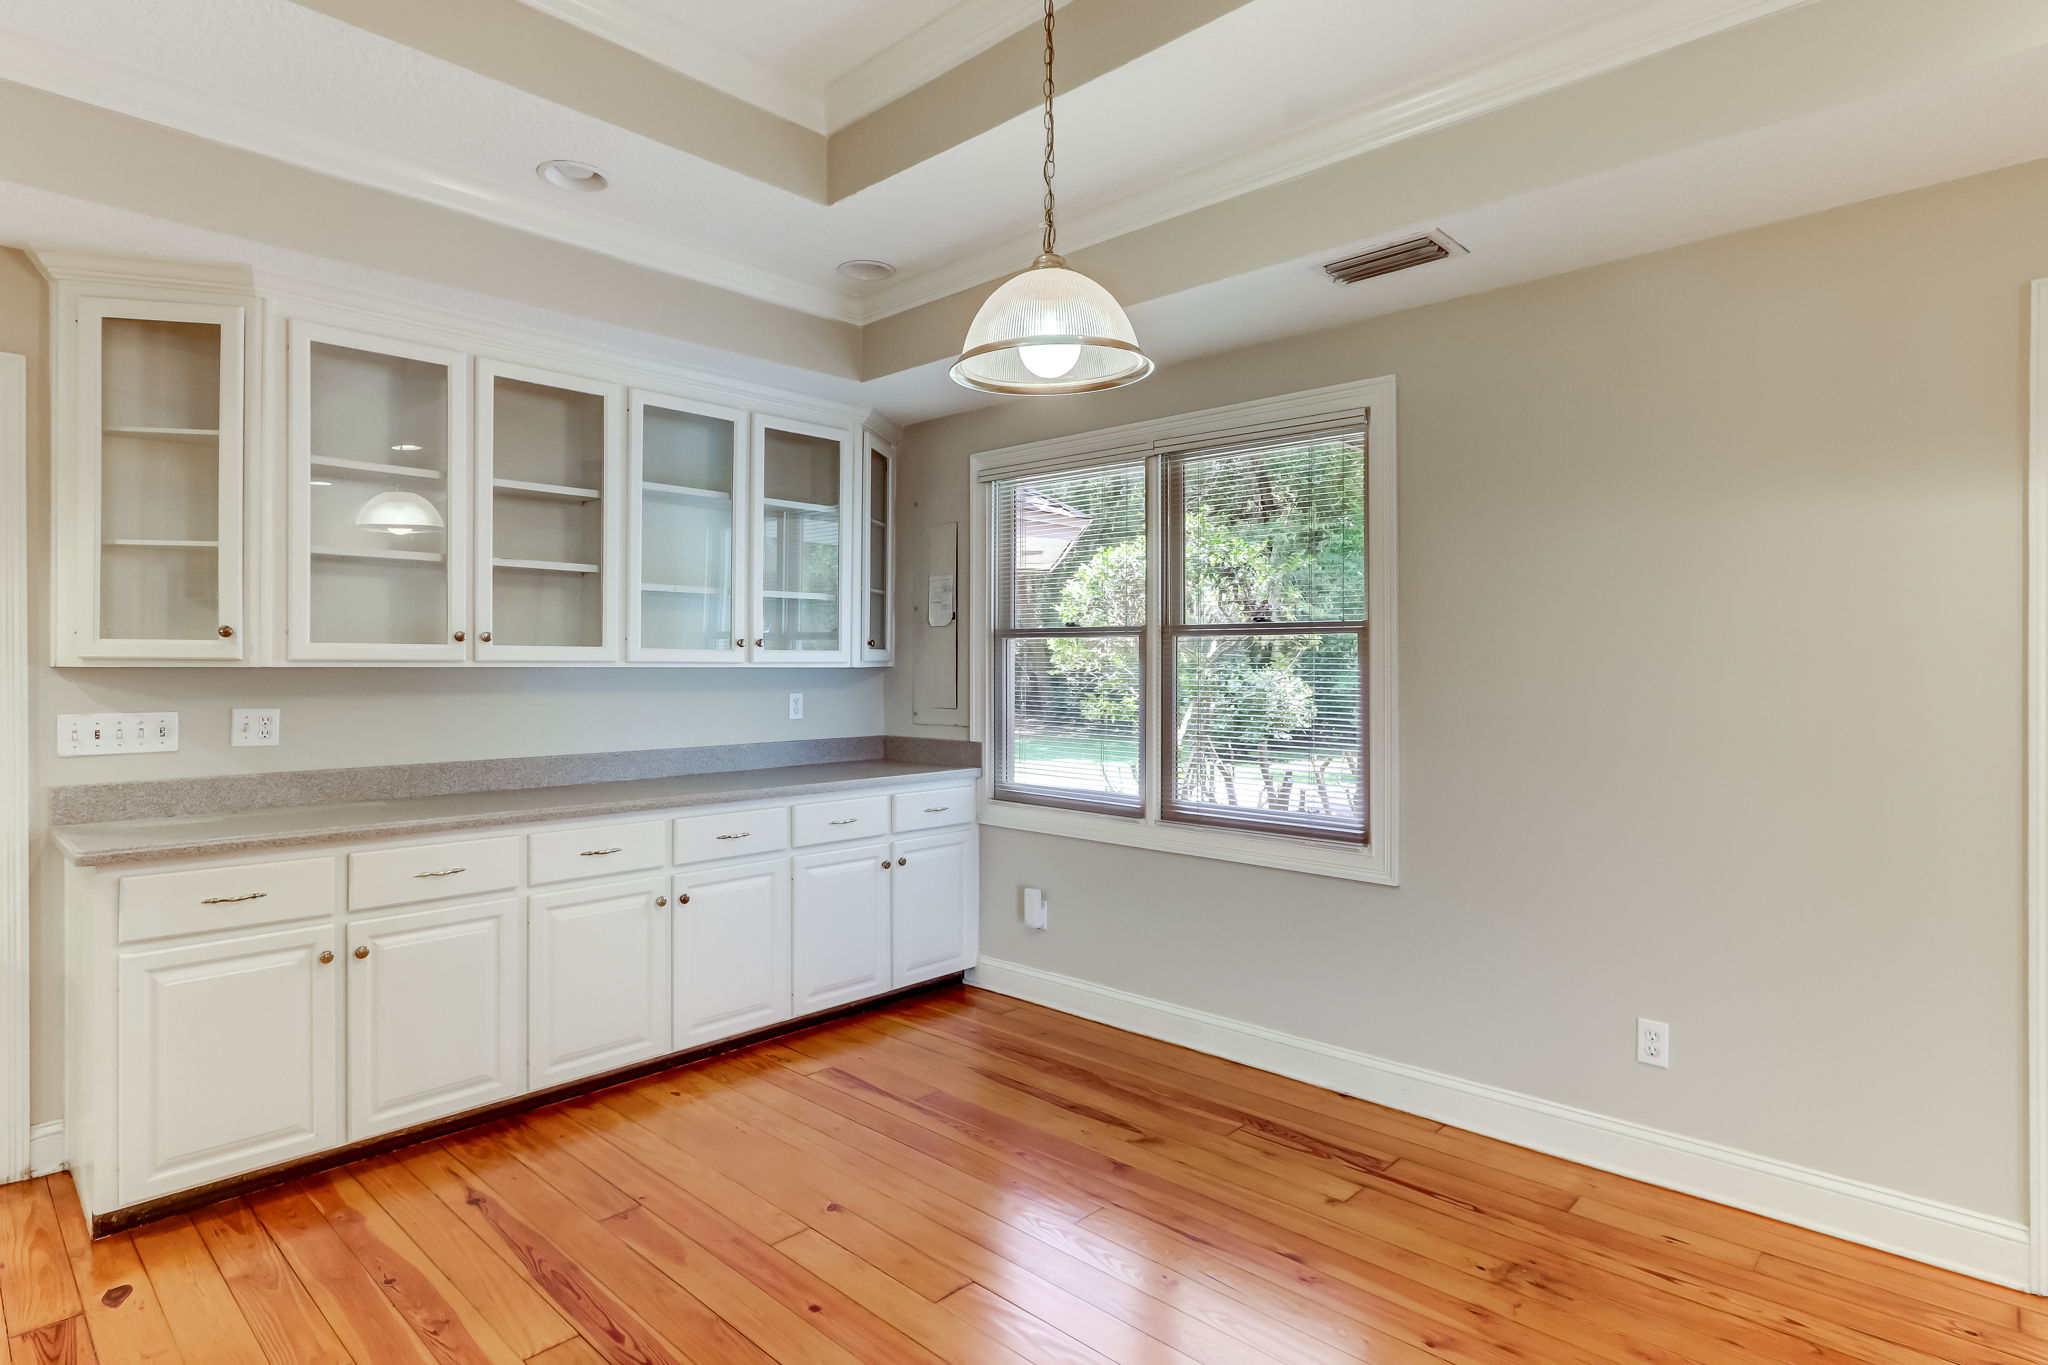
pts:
[260, 472]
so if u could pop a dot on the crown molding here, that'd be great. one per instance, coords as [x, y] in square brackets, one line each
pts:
[60, 70]
[963, 32]
[1573, 53]
[661, 37]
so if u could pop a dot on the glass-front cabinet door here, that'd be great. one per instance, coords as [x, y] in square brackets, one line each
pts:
[150, 506]
[804, 527]
[548, 457]
[379, 498]
[687, 485]
[876, 603]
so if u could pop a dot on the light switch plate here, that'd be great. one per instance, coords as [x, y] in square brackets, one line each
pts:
[254, 726]
[135, 732]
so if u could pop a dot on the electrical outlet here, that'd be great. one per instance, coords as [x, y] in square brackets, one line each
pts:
[1653, 1042]
[1034, 908]
[253, 725]
[796, 706]
[146, 732]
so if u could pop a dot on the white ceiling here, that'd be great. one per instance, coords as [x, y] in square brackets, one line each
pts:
[1273, 89]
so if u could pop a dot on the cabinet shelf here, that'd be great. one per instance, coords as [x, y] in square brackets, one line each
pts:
[545, 566]
[546, 490]
[798, 596]
[402, 556]
[790, 505]
[677, 490]
[193, 434]
[164, 544]
[682, 588]
[382, 471]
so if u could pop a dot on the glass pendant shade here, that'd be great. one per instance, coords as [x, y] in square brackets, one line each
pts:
[400, 514]
[1050, 330]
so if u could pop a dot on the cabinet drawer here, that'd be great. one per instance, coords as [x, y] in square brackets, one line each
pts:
[729, 834]
[431, 872]
[827, 822]
[932, 809]
[212, 898]
[596, 851]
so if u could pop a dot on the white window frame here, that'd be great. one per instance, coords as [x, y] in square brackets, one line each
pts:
[1377, 861]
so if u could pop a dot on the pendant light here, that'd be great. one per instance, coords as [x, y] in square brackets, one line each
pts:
[1050, 329]
[400, 514]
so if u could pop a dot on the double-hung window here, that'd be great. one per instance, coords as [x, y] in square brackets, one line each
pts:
[1189, 639]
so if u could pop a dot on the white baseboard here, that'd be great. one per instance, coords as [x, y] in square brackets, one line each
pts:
[1975, 1244]
[46, 1148]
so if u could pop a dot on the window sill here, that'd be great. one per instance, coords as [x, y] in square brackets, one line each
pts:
[1317, 857]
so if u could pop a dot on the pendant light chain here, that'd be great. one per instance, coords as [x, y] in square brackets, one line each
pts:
[1051, 233]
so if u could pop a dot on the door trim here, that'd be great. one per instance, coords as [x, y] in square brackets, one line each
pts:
[16, 760]
[2037, 795]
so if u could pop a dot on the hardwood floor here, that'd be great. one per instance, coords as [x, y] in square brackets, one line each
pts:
[963, 1178]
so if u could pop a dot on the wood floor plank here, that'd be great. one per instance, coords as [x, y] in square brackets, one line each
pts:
[36, 1288]
[59, 1343]
[288, 1326]
[965, 1179]
[121, 1307]
[205, 1320]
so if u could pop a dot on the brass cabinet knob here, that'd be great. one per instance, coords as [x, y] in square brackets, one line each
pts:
[762, 641]
[485, 637]
[739, 644]
[661, 900]
[683, 899]
[885, 864]
[901, 861]
[227, 632]
[363, 951]
[460, 636]
[326, 958]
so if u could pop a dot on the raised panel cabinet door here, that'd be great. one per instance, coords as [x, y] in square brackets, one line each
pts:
[598, 993]
[731, 950]
[229, 1057]
[840, 926]
[436, 1014]
[934, 891]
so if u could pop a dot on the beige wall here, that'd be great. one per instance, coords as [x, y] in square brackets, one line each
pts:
[1712, 584]
[354, 717]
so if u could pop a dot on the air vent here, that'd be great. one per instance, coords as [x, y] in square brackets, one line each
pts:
[1392, 256]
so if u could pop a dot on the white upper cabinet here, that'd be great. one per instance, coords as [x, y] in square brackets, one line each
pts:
[803, 527]
[378, 494]
[688, 492]
[149, 538]
[547, 461]
[309, 478]
[875, 606]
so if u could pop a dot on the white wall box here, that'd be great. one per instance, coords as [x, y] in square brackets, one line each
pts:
[203, 1044]
[220, 431]
[877, 604]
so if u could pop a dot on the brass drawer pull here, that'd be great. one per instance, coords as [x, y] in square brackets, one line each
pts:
[234, 900]
[444, 872]
[599, 852]
[849, 820]
[748, 834]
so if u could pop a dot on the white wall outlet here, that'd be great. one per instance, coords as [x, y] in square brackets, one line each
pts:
[145, 732]
[254, 725]
[1034, 908]
[796, 706]
[1653, 1042]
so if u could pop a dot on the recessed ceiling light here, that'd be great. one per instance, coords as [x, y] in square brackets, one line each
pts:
[572, 175]
[868, 271]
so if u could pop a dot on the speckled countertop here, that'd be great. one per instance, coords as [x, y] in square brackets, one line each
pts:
[237, 832]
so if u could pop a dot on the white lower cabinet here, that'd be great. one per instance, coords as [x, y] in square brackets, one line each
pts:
[228, 1058]
[436, 1014]
[731, 928]
[933, 877]
[840, 909]
[598, 984]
